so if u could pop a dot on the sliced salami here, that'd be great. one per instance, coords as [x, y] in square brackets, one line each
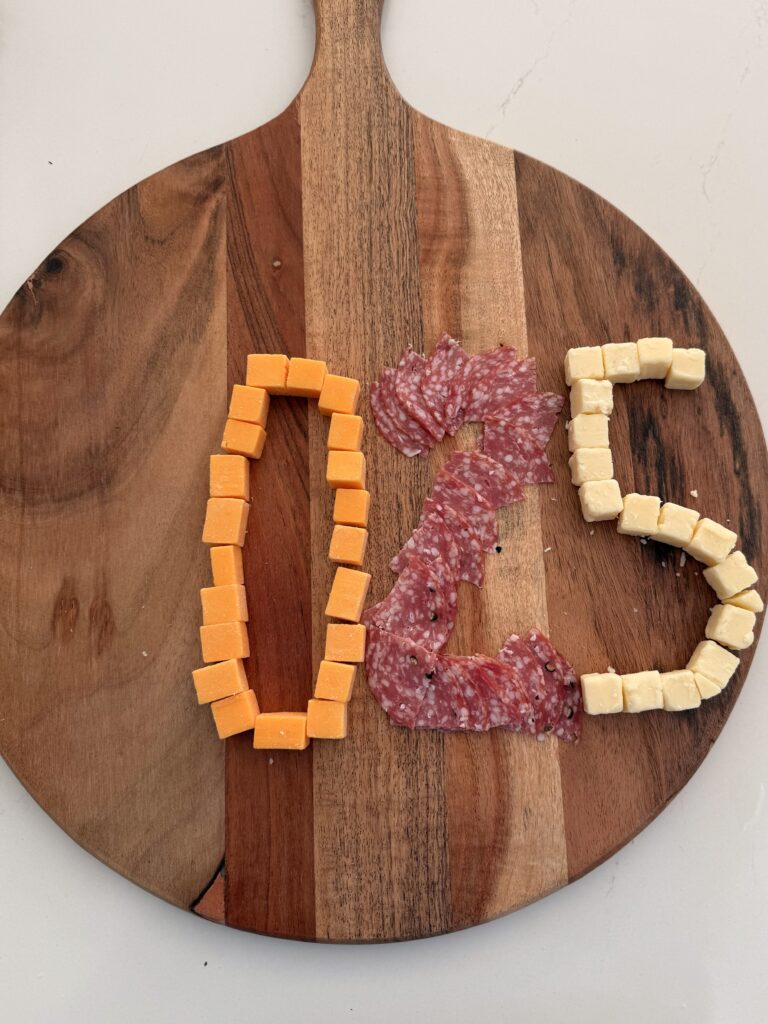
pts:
[517, 451]
[522, 659]
[472, 559]
[439, 390]
[397, 427]
[536, 413]
[409, 374]
[511, 383]
[432, 539]
[506, 696]
[475, 509]
[417, 607]
[438, 709]
[562, 685]
[481, 373]
[465, 675]
[492, 481]
[398, 672]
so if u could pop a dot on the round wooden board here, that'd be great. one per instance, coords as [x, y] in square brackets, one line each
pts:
[346, 228]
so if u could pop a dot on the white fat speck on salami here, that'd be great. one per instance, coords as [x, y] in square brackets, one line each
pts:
[408, 377]
[562, 684]
[496, 394]
[472, 559]
[465, 674]
[417, 607]
[544, 700]
[517, 451]
[492, 481]
[439, 385]
[475, 509]
[398, 673]
[400, 430]
[537, 413]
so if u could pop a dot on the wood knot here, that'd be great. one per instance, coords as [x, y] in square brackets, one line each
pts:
[101, 624]
[66, 611]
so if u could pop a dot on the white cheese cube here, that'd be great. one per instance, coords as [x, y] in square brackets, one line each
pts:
[591, 396]
[590, 464]
[585, 362]
[621, 362]
[588, 430]
[642, 691]
[687, 369]
[600, 500]
[713, 661]
[640, 515]
[711, 543]
[731, 575]
[602, 693]
[676, 524]
[679, 690]
[655, 357]
[707, 687]
[733, 627]
[749, 599]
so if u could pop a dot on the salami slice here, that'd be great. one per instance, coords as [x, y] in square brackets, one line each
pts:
[492, 481]
[517, 451]
[417, 607]
[438, 709]
[537, 413]
[396, 426]
[432, 539]
[439, 385]
[476, 510]
[522, 659]
[506, 696]
[481, 374]
[511, 383]
[562, 685]
[409, 374]
[398, 673]
[472, 559]
[464, 673]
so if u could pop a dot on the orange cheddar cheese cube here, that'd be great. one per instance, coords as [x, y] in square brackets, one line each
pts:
[346, 469]
[244, 438]
[249, 404]
[235, 714]
[223, 679]
[227, 565]
[345, 643]
[281, 730]
[224, 604]
[229, 477]
[348, 593]
[224, 641]
[326, 720]
[348, 544]
[305, 377]
[345, 433]
[339, 394]
[351, 506]
[268, 371]
[335, 681]
[225, 521]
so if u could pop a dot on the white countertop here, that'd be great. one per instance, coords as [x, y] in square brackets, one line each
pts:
[662, 108]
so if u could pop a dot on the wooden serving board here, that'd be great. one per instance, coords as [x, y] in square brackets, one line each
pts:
[344, 229]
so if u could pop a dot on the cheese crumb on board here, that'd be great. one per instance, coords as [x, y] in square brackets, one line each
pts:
[679, 690]
[655, 357]
[226, 520]
[346, 469]
[223, 679]
[229, 477]
[224, 641]
[749, 599]
[588, 430]
[251, 405]
[227, 565]
[642, 691]
[733, 627]
[687, 369]
[244, 438]
[584, 363]
[224, 604]
[590, 464]
[281, 730]
[335, 681]
[348, 593]
[711, 543]
[588, 396]
[707, 687]
[600, 500]
[345, 432]
[326, 719]
[713, 661]
[268, 371]
[731, 575]
[345, 642]
[602, 693]
[351, 506]
[676, 524]
[621, 362]
[348, 544]
[339, 394]
[305, 377]
[236, 714]
[640, 515]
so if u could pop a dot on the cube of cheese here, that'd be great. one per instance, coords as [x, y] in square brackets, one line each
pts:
[713, 661]
[642, 691]
[676, 524]
[749, 599]
[640, 515]
[707, 687]
[731, 575]
[267, 371]
[339, 394]
[348, 593]
[246, 438]
[590, 464]
[226, 520]
[589, 396]
[588, 430]
[236, 714]
[281, 730]
[224, 641]
[335, 680]
[251, 405]
[602, 693]
[305, 377]
[655, 357]
[600, 500]
[345, 643]
[584, 362]
[345, 432]
[679, 690]
[227, 565]
[733, 627]
[711, 543]
[346, 469]
[224, 604]
[223, 679]
[687, 369]
[230, 477]
[348, 544]
[621, 362]
[326, 719]
[351, 506]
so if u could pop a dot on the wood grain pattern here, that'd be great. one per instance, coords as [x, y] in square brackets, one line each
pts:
[344, 229]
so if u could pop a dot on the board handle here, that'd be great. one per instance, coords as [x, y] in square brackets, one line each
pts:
[348, 37]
